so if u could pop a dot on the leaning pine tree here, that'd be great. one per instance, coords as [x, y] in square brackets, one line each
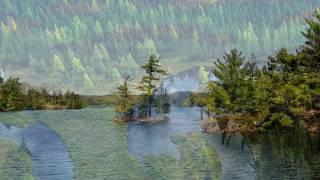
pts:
[148, 82]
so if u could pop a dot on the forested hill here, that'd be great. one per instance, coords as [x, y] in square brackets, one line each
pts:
[90, 45]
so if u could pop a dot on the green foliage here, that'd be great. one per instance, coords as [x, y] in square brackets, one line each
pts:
[125, 103]
[198, 159]
[57, 63]
[46, 30]
[97, 145]
[311, 50]
[13, 98]
[15, 162]
[154, 73]
[310, 54]
[290, 92]
[107, 157]
[281, 92]
[162, 167]
[279, 118]
[229, 86]
[148, 82]
[198, 99]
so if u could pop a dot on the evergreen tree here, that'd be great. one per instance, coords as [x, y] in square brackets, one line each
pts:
[12, 98]
[94, 5]
[97, 60]
[251, 38]
[58, 64]
[267, 41]
[87, 82]
[226, 91]
[98, 29]
[310, 58]
[54, 26]
[34, 99]
[125, 104]
[147, 84]
[311, 49]
[288, 94]
[115, 75]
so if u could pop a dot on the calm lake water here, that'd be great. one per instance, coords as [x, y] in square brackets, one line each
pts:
[293, 156]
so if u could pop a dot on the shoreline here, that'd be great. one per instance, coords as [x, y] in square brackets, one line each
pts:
[232, 124]
[46, 107]
[152, 119]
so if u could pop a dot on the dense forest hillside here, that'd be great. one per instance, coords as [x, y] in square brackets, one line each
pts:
[90, 45]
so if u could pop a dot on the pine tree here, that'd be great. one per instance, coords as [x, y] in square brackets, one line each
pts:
[77, 65]
[125, 104]
[226, 91]
[115, 75]
[98, 29]
[58, 63]
[311, 48]
[12, 98]
[251, 39]
[310, 57]
[104, 53]
[147, 84]
[267, 42]
[13, 25]
[94, 5]
[97, 60]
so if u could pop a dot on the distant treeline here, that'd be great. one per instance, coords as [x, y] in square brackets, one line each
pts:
[14, 98]
[89, 45]
[105, 100]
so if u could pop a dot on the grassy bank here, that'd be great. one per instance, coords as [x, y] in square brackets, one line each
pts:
[15, 163]
[198, 160]
[97, 145]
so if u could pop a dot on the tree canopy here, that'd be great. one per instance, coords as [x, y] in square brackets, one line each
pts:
[45, 36]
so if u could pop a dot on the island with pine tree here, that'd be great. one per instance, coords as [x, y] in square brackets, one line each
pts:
[152, 98]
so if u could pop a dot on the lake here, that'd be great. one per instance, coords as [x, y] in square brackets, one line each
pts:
[87, 144]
